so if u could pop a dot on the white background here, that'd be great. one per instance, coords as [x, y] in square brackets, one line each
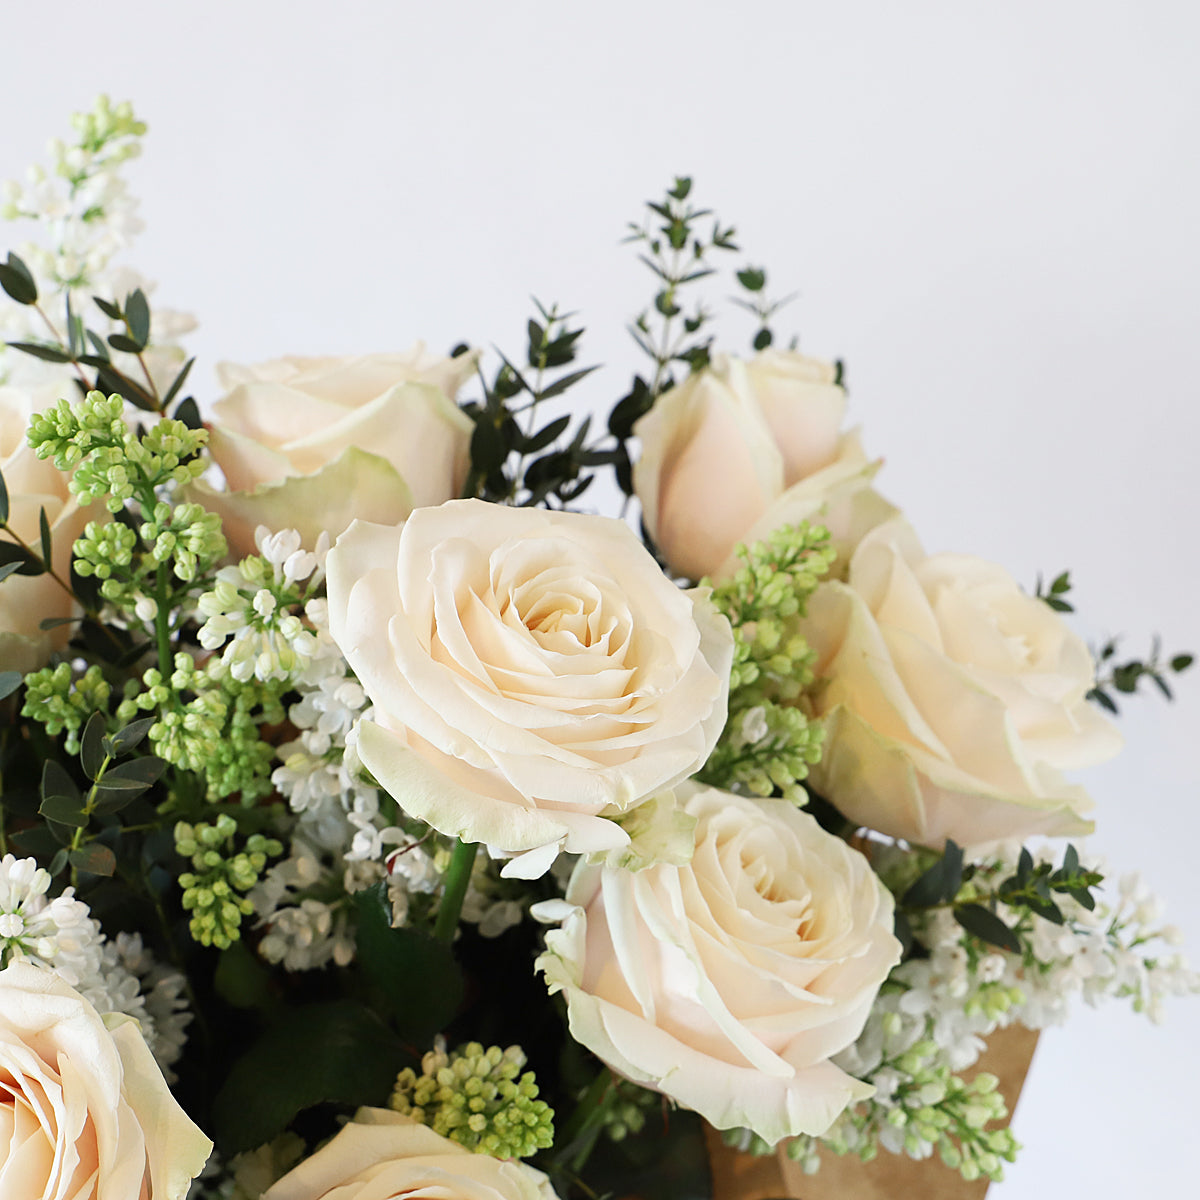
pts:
[989, 212]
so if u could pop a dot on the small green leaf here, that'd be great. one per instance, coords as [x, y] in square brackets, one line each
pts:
[9, 682]
[173, 390]
[91, 750]
[109, 309]
[762, 339]
[752, 279]
[46, 353]
[560, 385]
[9, 569]
[127, 739]
[44, 531]
[3, 499]
[100, 348]
[95, 858]
[27, 563]
[137, 313]
[118, 341]
[56, 782]
[17, 281]
[986, 926]
[63, 810]
[1181, 662]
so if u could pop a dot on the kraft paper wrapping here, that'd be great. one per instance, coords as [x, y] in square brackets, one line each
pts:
[887, 1177]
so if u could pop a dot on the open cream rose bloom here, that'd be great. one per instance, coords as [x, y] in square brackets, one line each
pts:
[312, 443]
[742, 448]
[382, 1155]
[951, 699]
[728, 984]
[533, 673]
[84, 1111]
[34, 484]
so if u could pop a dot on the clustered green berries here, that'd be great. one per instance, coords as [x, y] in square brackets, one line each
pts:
[625, 1115]
[110, 461]
[63, 703]
[210, 891]
[479, 1099]
[768, 744]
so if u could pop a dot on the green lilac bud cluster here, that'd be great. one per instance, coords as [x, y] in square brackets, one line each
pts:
[768, 744]
[63, 703]
[210, 890]
[479, 1099]
[68, 433]
[107, 130]
[187, 733]
[625, 1115]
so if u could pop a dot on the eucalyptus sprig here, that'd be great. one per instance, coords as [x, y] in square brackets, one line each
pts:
[516, 458]
[1127, 676]
[972, 894]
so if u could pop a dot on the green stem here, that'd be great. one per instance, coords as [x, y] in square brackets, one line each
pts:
[579, 1134]
[458, 875]
[88, 808]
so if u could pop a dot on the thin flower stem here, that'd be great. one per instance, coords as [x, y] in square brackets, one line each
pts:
[458, 875]
[41, 312]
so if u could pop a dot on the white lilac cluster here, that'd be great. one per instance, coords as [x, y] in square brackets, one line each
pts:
[85, 216]
[118, 976]
[250, 610]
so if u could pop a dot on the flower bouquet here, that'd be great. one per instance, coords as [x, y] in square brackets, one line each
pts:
[378, 820]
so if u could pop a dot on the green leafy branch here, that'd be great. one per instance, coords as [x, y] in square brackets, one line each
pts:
[952, 883]
[514, 458]
[86, 349]
[1126, 677]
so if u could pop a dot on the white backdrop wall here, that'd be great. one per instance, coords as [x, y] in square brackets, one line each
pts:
[989, 213]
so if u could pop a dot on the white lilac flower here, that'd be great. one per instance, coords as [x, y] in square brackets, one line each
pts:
[249, 610]
[118, 976]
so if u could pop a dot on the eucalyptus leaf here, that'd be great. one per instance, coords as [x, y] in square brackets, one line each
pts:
[3, 499]
[47, 541]
[39, 350]
[986, 926]
[56, 782]
[64, 811]
[129, 738]
[9, 682]
[95, 858]
[137, 314]
[17, 280]
[91, 748]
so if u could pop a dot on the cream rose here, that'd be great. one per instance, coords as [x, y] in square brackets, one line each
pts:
[84, 1110]
[951, 699]
[532, 672]
[742, 448]
[728, 984]
[382, 1155]
[34, 484]
[312, 443]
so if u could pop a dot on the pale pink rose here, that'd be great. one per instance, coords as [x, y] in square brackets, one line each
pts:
[729, 983]
[34, 484]
[533, 673]
[952, 700]
[741, 448]
[382, 1155]
[84, 1110]
[312, 443]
